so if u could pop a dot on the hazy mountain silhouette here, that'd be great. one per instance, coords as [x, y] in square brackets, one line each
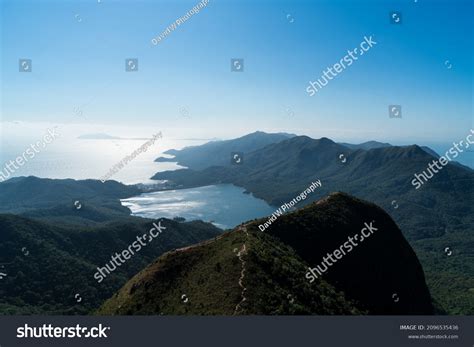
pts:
[366, 145]
[219, 152]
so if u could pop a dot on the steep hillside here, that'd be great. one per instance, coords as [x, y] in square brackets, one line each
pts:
[47, 265]
[214, 278]
[377, 267]
[247, 271]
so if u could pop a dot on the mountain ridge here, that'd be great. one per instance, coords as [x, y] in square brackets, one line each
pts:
[219, 152]
[212, 278]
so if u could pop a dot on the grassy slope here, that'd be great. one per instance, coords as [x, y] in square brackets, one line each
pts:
[209, 276]
[62, 261]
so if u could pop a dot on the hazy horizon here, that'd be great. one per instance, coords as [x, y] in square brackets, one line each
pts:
[81, 77]
[71, 157]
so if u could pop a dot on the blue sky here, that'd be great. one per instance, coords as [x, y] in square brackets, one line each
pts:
[78, 51]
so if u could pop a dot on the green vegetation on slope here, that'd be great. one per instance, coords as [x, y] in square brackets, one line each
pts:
[209, 274]
[446, 276]
[54, 200]
[61, 261]
[246, 271]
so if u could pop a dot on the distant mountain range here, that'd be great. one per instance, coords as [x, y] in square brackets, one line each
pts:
[366, 145]
[246, 271]
[438, 215]
[219, 152]
[280, 171]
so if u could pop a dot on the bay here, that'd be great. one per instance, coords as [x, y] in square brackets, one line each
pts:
[225, 205]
